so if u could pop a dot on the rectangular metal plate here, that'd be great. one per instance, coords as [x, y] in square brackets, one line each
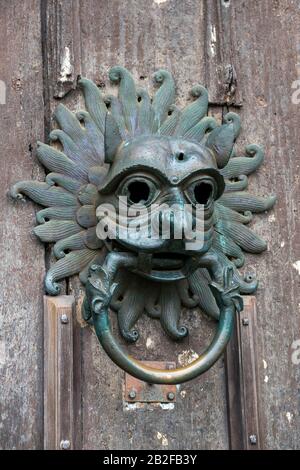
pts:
[138, 391]
[242, 380]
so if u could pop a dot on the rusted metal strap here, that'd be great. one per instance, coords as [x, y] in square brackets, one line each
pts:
[138, 391]
[58, 372]
[242, 382]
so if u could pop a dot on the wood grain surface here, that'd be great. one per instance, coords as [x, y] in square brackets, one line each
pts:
[246, 53]
[22, 256]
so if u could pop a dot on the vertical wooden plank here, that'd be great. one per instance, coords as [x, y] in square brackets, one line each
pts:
[267, 43]
[242, 384]
[222, 67]
[247, 328]
[144, 36]
[169, 36]
[62, 65]
[58, 372]
[234, 397]
[62, 46]
[77, 372]
[22, 256]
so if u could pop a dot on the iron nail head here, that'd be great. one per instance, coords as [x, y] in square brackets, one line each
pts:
[64, 318]
[65, 444]
[132, 394]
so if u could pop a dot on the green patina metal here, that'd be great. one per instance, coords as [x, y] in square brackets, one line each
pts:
[151, 152]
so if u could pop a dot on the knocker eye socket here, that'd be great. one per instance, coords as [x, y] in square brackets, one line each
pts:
[138, 190]
[201, 192]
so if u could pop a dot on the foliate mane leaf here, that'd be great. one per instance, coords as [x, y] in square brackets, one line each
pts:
[221, 140]
[163, 98]
[112, 138]
[127, 96]
[194, 112]
[94, 102]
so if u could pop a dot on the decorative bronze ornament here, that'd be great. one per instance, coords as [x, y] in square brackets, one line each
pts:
[148, 151]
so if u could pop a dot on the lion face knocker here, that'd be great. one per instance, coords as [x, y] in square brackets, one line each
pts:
[148, 203]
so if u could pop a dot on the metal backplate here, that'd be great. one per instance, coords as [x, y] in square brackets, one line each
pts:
[138, 391]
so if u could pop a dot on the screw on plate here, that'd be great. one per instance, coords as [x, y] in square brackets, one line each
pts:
[65, 444]
[253, 439]
[132, 394]
[171, 396]
[245, 321]
[64, 318]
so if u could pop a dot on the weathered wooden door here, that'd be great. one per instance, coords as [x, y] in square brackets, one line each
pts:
[247, 54]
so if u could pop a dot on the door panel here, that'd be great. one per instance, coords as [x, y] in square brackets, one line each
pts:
[246, 55]
[22, 256]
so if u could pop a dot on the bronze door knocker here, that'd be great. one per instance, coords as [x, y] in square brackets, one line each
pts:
[128, 154]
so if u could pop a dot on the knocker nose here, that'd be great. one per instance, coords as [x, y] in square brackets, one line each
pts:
[172, 223]
[161, 221]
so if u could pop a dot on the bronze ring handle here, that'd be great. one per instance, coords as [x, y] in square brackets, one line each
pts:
[98, 303]
[156, 376]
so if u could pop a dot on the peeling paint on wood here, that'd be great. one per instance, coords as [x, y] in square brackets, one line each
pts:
[296, 265]
[187, 357]
[66, 67]
[163, 439]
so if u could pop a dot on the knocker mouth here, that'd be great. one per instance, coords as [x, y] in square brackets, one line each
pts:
[166, 240]
[166, 266]
[167, 260]
[163, 264]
